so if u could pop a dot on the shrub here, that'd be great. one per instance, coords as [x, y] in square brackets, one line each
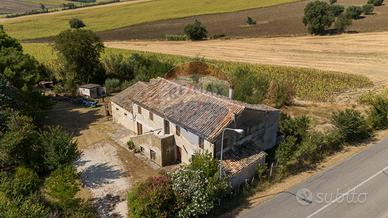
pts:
[131, 145]
[342, 23]
[62, 185]
[376, 2]
[297, 127]
[196, 31]
[112, 85]
[191, 191]
[284, 152]
[248, 87]
[250, 21]
[378, 113]
[58, 148]
[152, 198]
[317, 17]
[24, 182]
[31, 206]
[148, 67]
[280, 93]
[119, 67]
[354, 12]
[351, 125]
[368, 9]
[176, 37]
[76, 23]
[218, 88]
[336, 10]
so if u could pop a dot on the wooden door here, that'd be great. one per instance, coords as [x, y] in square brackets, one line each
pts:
[139, 129]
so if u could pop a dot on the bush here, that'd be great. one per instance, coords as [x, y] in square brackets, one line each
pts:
[376, 2]
[131, 145]
[280, 93]
[354, 12]
[336, 10]
[351, 125]
[196, 31]
[62, 185]
[112, 85]
[250, 21]
[24, 182]
[342, 23]
[31, 206]
[285, 151]
[176, 37]
[218, 88]
[297, 127]
[378, 114]
[58, 148]
[119, 67]
[152, 198]
[318, 17]
[249, 87]
[368, 9]
[76, 23]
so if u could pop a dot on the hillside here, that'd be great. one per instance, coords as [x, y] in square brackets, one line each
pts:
[122, 15]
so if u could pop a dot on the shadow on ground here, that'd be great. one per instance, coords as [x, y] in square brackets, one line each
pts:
[106, 205]
[97, 175]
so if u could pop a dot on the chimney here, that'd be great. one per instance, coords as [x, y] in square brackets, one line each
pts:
[230, 93]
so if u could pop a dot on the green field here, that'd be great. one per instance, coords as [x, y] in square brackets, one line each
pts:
[116, 16]
[310, 84]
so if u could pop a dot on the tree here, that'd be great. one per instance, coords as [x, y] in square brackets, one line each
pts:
[318, 17]
[250, 21]
[368, 9]
[152, 198]
[376, 2]
[62, 185]
[336, 10]
[351, 125]
[24, 182]
[18, 145]
[378, 113]
[249, 87]
[119, 67]
[43, 7]
[79, 52]
[196, 31]
[76, 23]
[58, 148]
[297, 127]
[342, 22]
[354, 12]
[280, 93]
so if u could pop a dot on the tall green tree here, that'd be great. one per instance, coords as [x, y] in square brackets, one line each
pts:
[318, 17]
[79, 52]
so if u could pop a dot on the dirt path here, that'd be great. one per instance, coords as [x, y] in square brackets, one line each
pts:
[77, 9]
[107, 169]
[363, 53]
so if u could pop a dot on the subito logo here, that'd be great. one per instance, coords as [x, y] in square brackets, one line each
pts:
[304, 196]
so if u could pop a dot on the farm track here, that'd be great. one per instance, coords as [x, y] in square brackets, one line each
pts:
[363, 53]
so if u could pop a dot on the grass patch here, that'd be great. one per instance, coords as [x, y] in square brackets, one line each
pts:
[116, 16]
[310, 84]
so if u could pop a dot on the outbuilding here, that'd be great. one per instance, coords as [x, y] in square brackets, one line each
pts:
[91, 90]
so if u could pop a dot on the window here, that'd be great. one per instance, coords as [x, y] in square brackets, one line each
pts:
[166, 127]
[117, 108]
[152, 155]
[151, 115]
[141, 150]
[201, 142]
[178, 130]
[139, 109]
[139, 129]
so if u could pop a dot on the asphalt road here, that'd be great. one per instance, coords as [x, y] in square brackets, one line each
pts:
[357, 187]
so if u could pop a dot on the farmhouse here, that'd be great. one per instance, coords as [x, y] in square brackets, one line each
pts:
[171, 122]
[91, 90]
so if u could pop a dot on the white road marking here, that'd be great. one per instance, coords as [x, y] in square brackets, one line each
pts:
[344, 194]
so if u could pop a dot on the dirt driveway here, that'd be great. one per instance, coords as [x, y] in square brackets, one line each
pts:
[363, 53]
[107, 169]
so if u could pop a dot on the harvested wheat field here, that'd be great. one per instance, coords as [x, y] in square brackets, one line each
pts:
[365, 54]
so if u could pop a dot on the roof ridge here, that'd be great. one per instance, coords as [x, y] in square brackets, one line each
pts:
[207, 93]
